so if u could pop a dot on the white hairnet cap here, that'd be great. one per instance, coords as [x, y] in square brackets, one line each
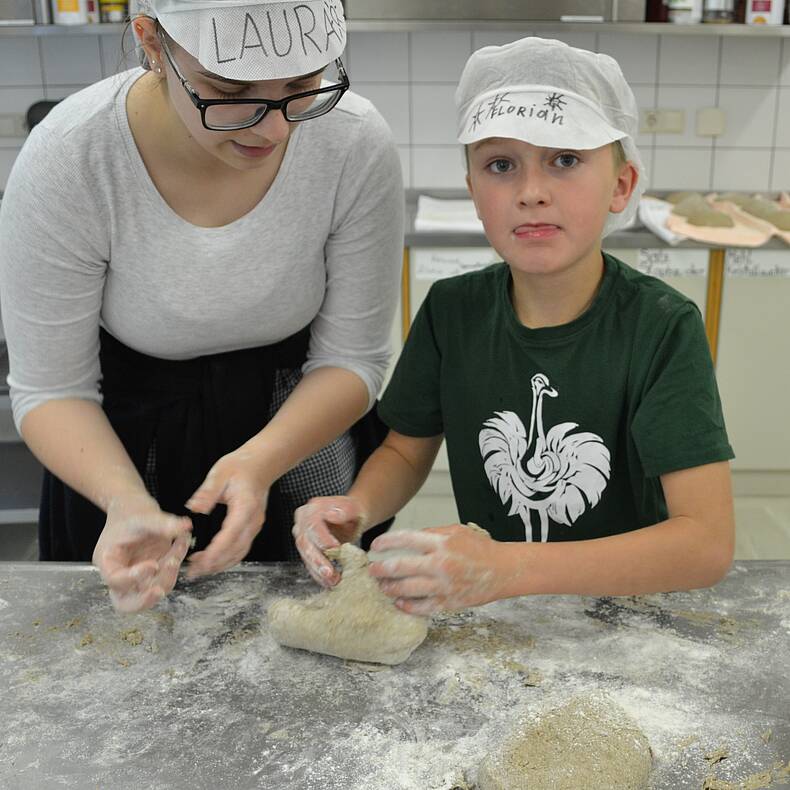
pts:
[254, 39]
[549, 94]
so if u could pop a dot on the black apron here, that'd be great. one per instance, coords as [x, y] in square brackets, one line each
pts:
[194, 412]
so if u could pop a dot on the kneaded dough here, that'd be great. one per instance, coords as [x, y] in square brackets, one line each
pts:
[699, 212]
[589, 742]
[352, 620]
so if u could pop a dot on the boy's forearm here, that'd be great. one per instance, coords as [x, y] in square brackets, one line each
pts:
[75, 441]
[677, 554]
[389, 480]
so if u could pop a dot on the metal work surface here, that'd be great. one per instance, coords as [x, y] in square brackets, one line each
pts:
[196, 694]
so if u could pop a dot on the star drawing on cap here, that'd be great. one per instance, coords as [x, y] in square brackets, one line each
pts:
[555, 101]
[477, 118]
[496, 103]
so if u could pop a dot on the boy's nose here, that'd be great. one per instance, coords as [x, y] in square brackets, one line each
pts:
[534, 191]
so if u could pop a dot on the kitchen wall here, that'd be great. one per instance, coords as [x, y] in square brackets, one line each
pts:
[411, 78]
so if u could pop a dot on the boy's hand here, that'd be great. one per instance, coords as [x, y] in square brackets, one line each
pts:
[453, 568]
[324, 523]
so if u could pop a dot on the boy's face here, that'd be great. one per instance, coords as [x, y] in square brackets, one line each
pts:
[544, 209]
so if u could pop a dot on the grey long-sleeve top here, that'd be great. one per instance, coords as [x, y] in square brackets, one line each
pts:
[87, 240]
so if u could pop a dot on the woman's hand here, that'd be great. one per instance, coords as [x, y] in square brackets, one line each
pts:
[452, 568]
[324, 523]
[140, 551]
[234, 481]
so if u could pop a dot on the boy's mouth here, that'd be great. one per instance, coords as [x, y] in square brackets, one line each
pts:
[538, 230]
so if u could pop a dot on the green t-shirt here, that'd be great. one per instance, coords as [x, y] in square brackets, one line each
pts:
[560, 433]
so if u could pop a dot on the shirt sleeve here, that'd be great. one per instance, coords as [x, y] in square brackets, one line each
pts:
[52, 273]
[364, 253]
[679, 422]
[412, 402]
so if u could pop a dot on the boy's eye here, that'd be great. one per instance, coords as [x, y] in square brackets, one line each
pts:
[566, 161]
[500, 166]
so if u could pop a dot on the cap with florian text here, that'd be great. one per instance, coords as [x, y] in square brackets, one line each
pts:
[547, 93]
[254, 39]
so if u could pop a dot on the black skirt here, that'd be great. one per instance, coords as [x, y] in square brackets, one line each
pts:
[192, 412]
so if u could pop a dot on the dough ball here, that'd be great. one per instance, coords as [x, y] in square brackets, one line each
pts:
[677, 197]
[353, 620]
[590, 742]
[698, 211]
[734, 197]
[769, 211]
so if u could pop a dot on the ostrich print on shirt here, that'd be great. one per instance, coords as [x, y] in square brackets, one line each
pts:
[559, 474]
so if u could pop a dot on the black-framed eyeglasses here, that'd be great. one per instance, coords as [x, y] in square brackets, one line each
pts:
[226, 115]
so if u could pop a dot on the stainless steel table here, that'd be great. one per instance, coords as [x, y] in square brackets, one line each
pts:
[196, 694]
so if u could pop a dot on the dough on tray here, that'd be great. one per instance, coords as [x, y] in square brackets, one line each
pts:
[353, 620]
[590, 742]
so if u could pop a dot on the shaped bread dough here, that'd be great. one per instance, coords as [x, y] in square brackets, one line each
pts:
[699, 212]
[588, 743]
[353, 620]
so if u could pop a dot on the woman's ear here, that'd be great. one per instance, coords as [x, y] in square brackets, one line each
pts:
[146, 35]
[626, 182]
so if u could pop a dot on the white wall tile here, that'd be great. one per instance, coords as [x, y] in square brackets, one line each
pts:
[379, 57]
[439, 167]
[645, 96]
[783, 119]
[579, 40]
[392, 101]
[690, 99]
[681, 168]
[16, 101]
[751, 113]
[19, 61]
[496, 38]
[784, 78]
[117, 54]
[404, 152]
[749, 61]
[71, 60]
[780, 178]
[433, 115]
[636, 54]
[738, 169]
[7, 159]
[689, 60]
[58, 92]
[439, 57]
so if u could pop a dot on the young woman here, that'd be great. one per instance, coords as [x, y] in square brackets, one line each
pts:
[216, 239]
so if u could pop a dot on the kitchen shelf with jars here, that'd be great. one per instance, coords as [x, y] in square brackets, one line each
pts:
[422, 25]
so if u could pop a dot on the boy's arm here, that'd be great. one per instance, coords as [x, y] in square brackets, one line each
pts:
[456, 568]
[692, 548]
[389, 479]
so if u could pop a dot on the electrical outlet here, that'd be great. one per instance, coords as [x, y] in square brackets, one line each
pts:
[658, 121]
[710, 122]
[12, 125]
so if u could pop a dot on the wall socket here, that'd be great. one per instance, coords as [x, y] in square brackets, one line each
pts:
[12, 125]
[658, 121]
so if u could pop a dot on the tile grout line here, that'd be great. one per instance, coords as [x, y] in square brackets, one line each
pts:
[777, 103]
[716, 100]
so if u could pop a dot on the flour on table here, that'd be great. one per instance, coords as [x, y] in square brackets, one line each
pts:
[354, 620]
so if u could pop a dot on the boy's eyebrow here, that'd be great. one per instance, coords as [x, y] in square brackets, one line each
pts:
[229, 81]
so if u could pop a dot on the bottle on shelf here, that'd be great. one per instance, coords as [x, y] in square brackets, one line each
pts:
[656, 11]
[70, 12]
[685, 12]
[718, 11]
[113, 10]
[764, 12]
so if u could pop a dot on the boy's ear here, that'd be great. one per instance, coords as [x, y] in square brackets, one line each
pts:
[624, 187]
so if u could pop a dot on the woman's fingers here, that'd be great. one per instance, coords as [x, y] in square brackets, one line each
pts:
[232, 543]
[413, 587]
[420, 606]
[205, 499]
[421, 540]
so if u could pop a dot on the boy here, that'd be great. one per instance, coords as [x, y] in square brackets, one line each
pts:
[577, 396]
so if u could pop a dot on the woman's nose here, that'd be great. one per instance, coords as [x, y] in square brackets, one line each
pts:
[273, 127]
